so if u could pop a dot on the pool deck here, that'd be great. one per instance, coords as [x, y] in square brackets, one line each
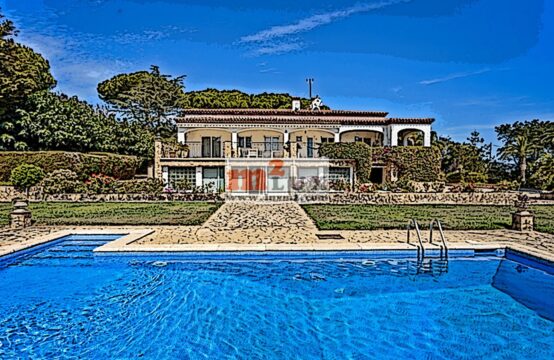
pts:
[244, 226]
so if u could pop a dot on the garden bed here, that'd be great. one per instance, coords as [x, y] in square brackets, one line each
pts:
[116, 213]
[453, 217]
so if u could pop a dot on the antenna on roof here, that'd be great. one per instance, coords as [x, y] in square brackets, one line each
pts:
[310, 81]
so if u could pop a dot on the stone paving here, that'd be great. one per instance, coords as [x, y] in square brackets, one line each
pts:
[282, 224]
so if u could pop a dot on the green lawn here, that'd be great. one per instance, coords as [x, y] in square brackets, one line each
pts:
[453, 217]
[143, 213]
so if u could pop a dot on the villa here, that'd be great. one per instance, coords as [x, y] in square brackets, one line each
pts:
[214, 142]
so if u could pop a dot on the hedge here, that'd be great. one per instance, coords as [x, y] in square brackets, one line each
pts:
[118, 166]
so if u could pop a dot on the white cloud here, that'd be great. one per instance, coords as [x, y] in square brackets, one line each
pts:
[274, 49]
[281, 32]
[453, 77]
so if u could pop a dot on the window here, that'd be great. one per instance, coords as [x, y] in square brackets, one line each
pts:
[336, 173]
[271, 143]
[245, 142]
[376, 175]
[182, 173]
[327, 139]
[299, 139]
[214, 176]
[211, 147]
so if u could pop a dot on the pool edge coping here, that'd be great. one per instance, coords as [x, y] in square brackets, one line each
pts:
[125, 244]
[128, 236]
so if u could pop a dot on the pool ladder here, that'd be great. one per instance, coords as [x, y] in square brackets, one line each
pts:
[420, 248]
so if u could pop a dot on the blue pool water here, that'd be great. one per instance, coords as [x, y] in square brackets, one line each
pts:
[61, 301]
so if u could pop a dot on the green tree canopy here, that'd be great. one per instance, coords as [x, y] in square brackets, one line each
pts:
[522, 143]
[147, 98]
[543, 172]
[463, 158]
[22, 73]
[57, 122]
[26, 175]
[235, 99]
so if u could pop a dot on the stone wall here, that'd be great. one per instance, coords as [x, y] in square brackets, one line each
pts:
[8, 193]
[390, 198]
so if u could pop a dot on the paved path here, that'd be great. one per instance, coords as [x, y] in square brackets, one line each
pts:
[255, 222]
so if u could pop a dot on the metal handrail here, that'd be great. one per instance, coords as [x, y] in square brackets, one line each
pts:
[441, 232]
[416, 226]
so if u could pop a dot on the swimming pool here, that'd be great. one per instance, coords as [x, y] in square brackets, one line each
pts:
[60, 300]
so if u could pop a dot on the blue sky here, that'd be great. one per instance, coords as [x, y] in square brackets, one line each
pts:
[471, 64]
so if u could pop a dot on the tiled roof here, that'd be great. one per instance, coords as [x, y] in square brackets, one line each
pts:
[284, 112]
[286, 116]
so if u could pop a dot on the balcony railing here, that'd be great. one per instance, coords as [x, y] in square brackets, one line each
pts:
[307, 150]
[192, 150]
[262, 150]
[220, 150]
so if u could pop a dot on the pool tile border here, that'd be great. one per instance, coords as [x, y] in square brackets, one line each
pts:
[129, 236]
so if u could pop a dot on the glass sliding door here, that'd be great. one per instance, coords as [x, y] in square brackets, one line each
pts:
[310, 147]
[214, 177]
[211, 147]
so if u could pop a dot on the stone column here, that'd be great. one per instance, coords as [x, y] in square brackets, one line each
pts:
[523, 219]
[427, 137]
[393, 136]
[20, 217]
[235, 143]
[293, 149]
[181, 135]
[157, 159]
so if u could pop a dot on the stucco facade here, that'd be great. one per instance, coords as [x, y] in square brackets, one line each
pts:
[214, 141]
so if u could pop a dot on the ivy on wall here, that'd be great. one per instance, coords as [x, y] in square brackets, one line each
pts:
[357, 151]
[84, 165]
[413, 163]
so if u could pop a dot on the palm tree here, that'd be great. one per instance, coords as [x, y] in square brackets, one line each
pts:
[520, 144]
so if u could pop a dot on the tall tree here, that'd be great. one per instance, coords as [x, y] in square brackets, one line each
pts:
[521, 144]
[22, 73]
[148, 98]
[58, 122]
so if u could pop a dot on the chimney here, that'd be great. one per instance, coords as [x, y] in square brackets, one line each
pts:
[296, 104]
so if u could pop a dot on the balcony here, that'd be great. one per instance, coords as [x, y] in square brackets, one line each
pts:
[222, 150]
[264, 150]
[306, 150]
[192, 150]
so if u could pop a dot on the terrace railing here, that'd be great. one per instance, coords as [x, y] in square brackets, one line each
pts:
[306, 150]
[266, 150]
[192, 150]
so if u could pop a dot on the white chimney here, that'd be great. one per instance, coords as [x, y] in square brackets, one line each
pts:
[295, 105]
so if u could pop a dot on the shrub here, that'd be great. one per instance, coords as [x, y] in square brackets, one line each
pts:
[62, 181]
[24, 176]
[454, 177]
[183, 185]
[543, 172]
[100, 184]
[425, 187]
[84, 165]
[367, 188]
[469, 177]
[339, 185]
[506, 185]
[475, 177]
[148, 186]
